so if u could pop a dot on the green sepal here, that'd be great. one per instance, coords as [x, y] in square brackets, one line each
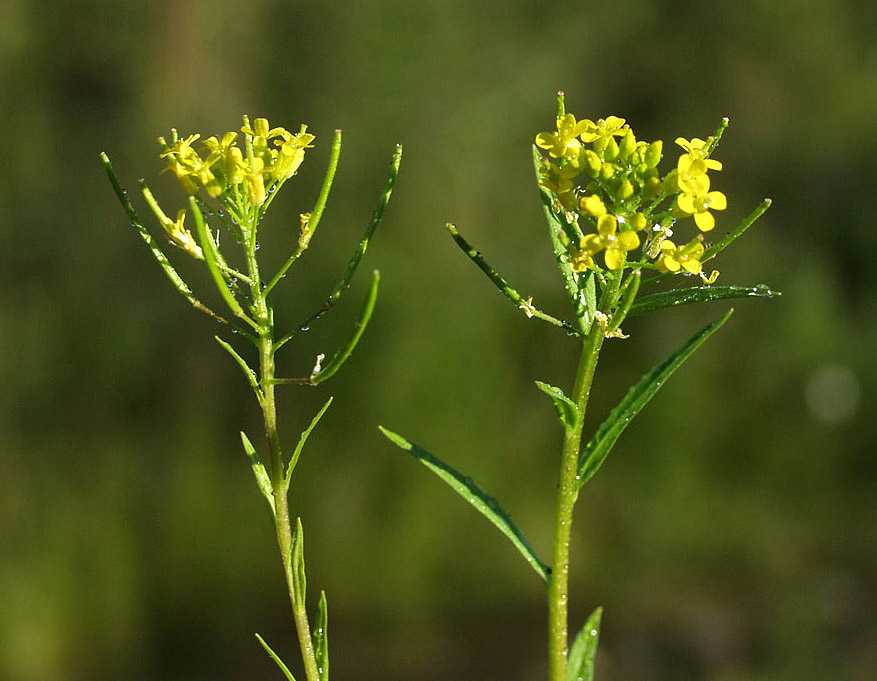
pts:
[321, 638]
[344, 353]
[274, 656]
[637, 397]
[524, 304]
[566, 408]
[300, 582]
[301, 441]
[580, 666]
[480, 500]
[263, 480]
[697, 294]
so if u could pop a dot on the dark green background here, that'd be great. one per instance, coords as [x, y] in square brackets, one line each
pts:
[730, 536]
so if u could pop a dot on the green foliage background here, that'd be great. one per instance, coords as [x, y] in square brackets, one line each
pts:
[730, 536]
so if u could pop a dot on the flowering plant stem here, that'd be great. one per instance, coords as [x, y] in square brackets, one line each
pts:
[242, 183]
[567, 493]
[280, 487]
[603, 195]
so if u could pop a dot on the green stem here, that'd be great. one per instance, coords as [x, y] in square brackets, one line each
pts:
[280, 487]
[558, 585]
[279, 483]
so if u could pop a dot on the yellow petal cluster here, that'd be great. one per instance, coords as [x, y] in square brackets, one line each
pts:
[269, 157]
[609, 197]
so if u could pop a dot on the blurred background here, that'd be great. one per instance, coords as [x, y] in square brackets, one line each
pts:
[731, 535]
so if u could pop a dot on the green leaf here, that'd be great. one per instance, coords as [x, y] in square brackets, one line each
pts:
[299, 580]
[637, 397]
[302, 439]
[483, 502]
[263, 480]
[697, 294]
[318, 209]
[321, 638]
[344, 280]
[252, 379]
[154, 248]
[584, 649]
[364, 316]
[212, 259]
[736, 233]
[276, 658]
[524, 304]
[566, 408]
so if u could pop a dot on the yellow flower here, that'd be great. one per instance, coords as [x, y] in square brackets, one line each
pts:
[175, 229]
[608, 238]
[563, 143]
[557, 180]
[691, 175]
[696, 198]
[255, 182]
[673, 258]
[182, 237]
[291, 153]
[183, 161]
[604, 128]
[697, 149]
[593, 205]
[225, 159]
[580, 261]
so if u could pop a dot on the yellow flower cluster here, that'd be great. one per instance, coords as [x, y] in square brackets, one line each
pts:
[693, 184]
[269, 157]
[622, 192]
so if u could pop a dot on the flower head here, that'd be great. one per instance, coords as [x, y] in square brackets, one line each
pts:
[695, 197]
[609, 239]
[270, 157]
[697, 148]
[563, 143]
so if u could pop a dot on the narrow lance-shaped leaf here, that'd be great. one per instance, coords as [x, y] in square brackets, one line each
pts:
[343, 281]
[263, 480]
[526, 305]
[242, 363]
[584, 649]
[321, 638]
[736, 233]
[483, 502]
[302, 439]
[154, 248]
[212, 259]
[274, 656]
[637, 397]
[566, 409]
[697, 294]
[299, 580]
[344, 353]
[319, 207]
